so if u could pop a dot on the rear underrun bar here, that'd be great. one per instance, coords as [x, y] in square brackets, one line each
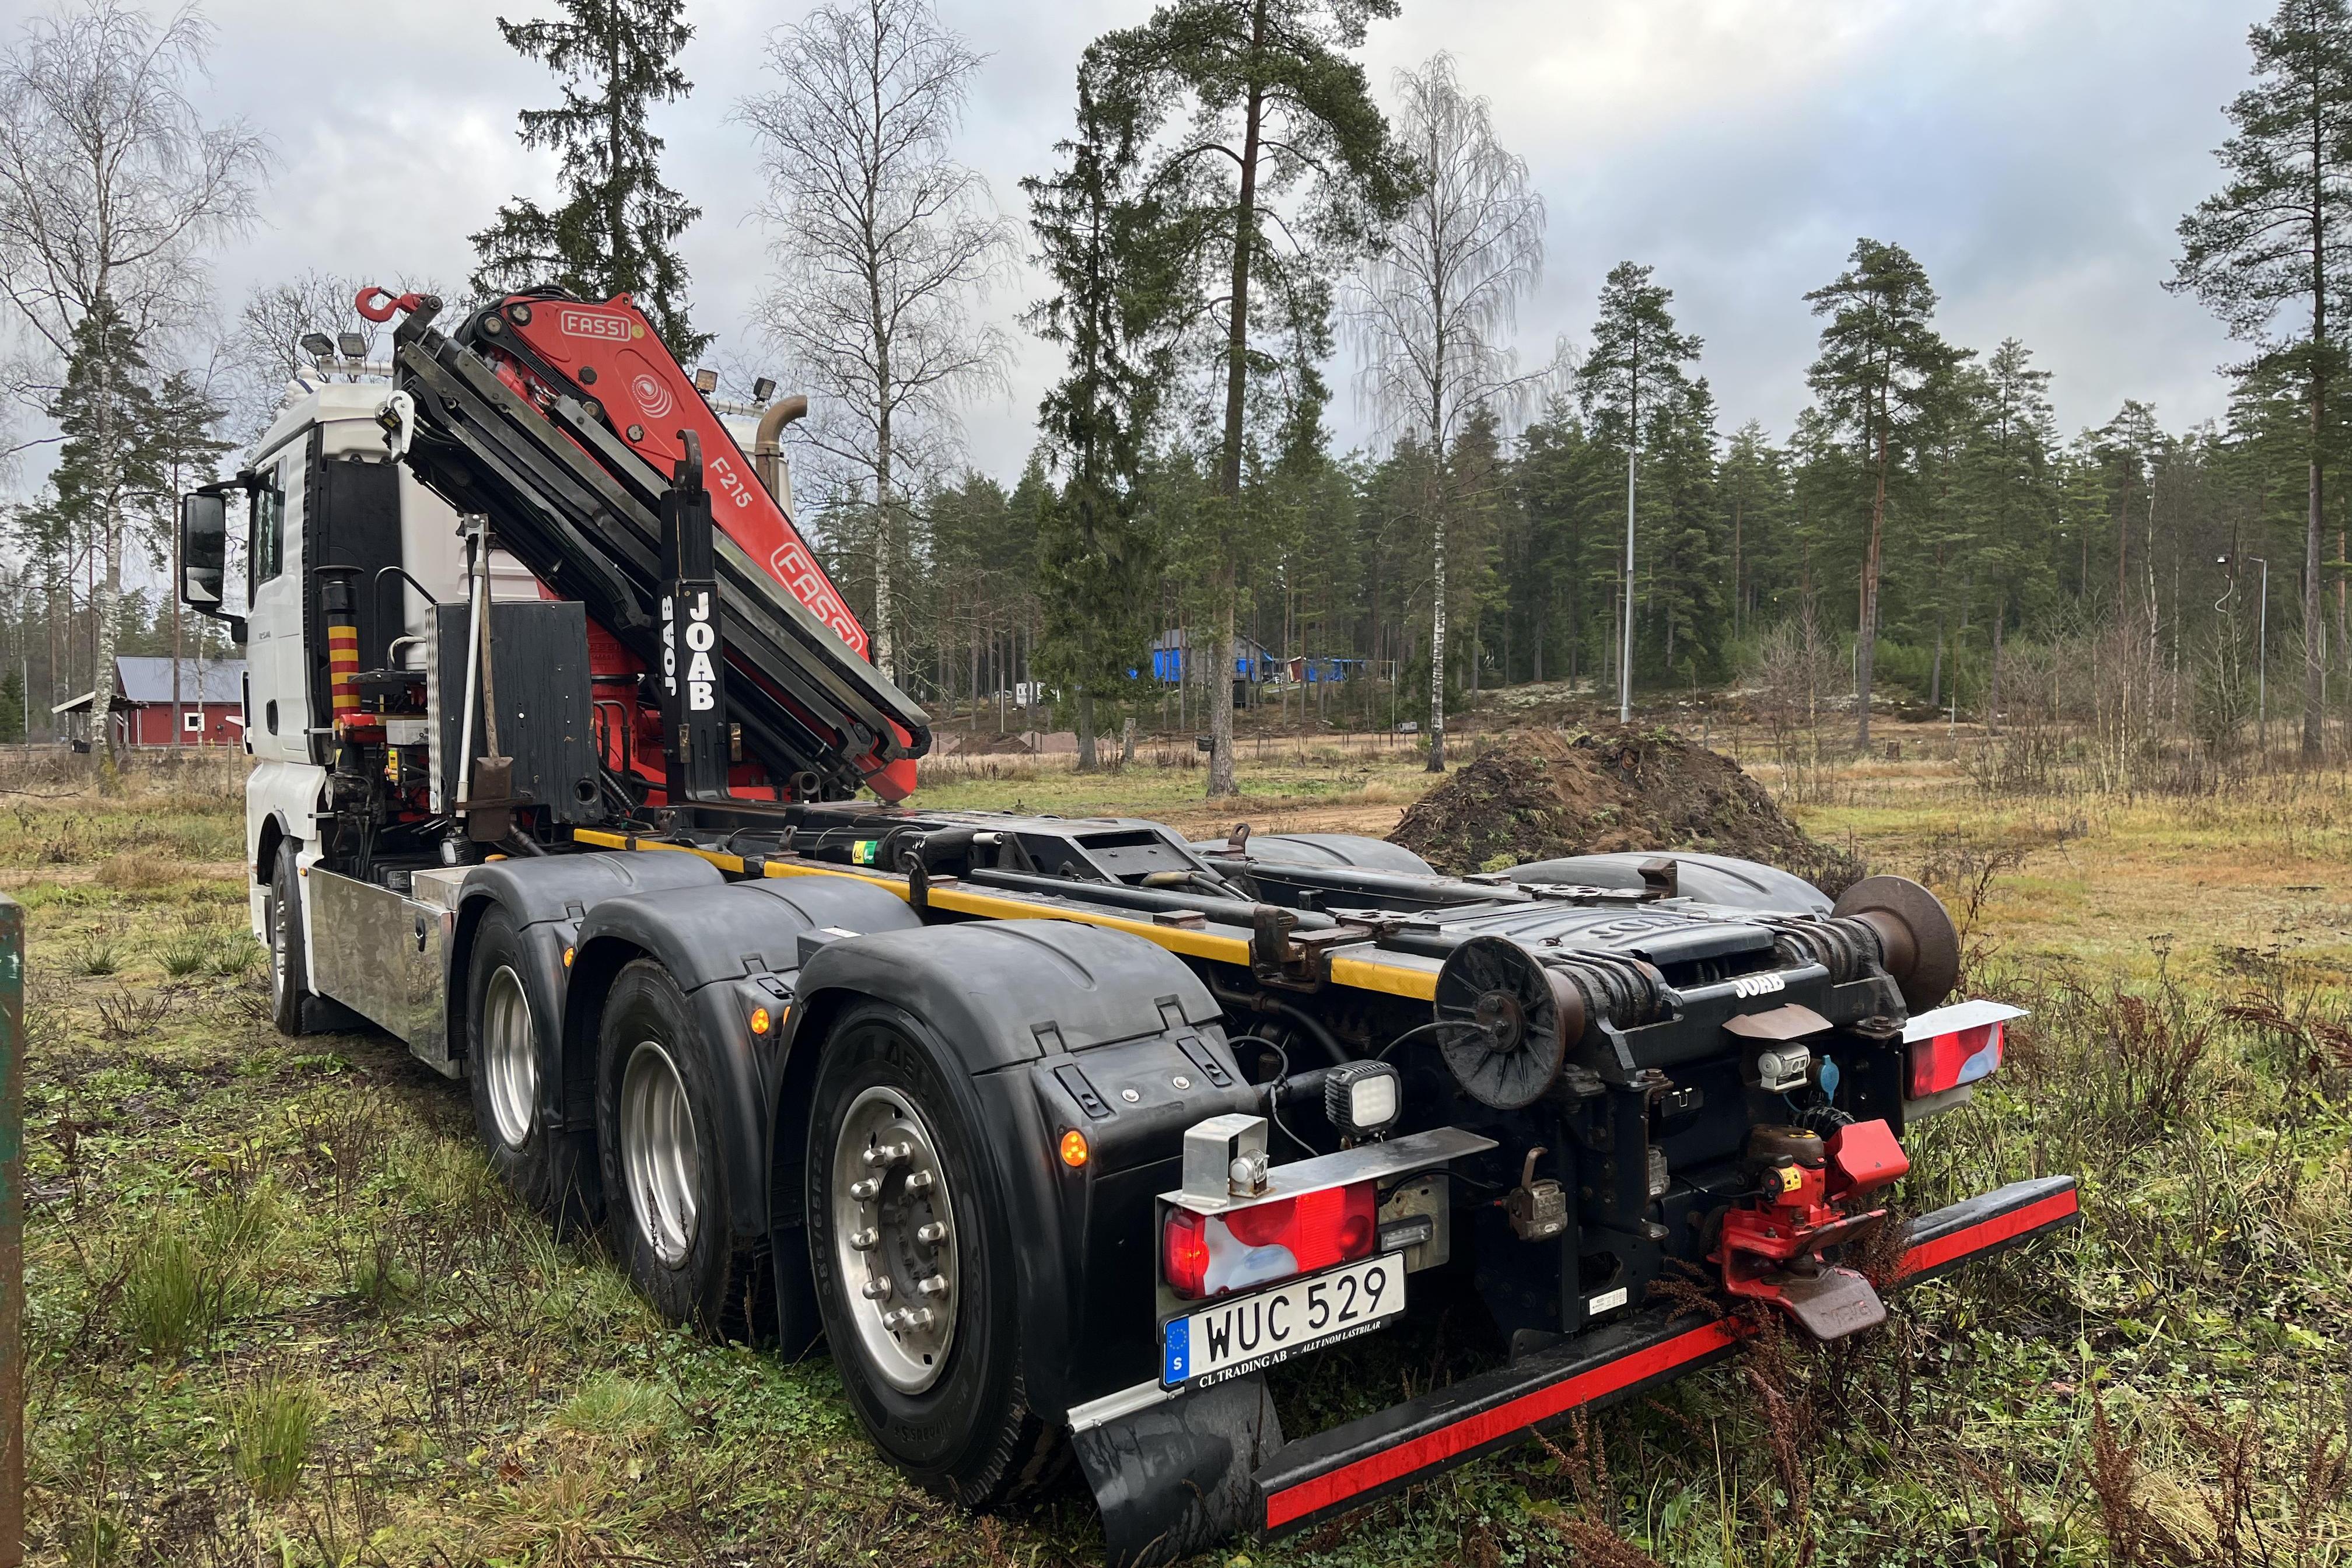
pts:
[1318, 1478]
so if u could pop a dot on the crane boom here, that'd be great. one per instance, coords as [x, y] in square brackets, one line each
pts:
[541, 412]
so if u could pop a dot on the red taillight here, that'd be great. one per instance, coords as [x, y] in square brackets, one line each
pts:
[1185, 1253]
[1949, 1060]
[1210, 1255]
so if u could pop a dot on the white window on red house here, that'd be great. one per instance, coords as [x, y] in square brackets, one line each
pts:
[193, 721]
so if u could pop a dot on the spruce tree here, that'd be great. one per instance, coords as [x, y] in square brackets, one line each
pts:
[1108, 241]
[108, 471]
[616, 226]
[1687, 561]
[1633, 374]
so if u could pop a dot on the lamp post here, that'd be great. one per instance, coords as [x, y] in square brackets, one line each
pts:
[2262, 659]
[2262, 643]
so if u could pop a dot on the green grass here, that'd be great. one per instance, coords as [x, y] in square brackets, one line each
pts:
[279, 1310]
[271, 1427]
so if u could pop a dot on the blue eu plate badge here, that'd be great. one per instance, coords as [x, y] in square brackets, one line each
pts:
[1177, 1353]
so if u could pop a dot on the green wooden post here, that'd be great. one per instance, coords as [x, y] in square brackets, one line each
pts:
[12, 1232]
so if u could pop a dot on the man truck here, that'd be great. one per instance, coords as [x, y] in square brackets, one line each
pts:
[1063, 1136]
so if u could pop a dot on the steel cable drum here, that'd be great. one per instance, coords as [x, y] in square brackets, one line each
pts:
[1527, 1017]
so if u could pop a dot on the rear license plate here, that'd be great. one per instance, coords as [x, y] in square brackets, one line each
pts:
[1240, 1334]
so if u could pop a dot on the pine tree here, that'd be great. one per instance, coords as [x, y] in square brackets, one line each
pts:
[1272, 106]
[1880, 370]
[2278, 237]
[12, 708]
[186, 450]
[618, 223]
[2013, 492]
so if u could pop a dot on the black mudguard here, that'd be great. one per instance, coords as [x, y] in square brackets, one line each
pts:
[1177, 1478]
[1059, 1025]
[731, 949]
[547, 899]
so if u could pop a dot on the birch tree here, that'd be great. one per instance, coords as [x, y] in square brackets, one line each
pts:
[1430, 311]
[111, 186]
[886, 243]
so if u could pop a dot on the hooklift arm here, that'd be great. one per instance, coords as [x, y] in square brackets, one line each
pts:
[498, 429]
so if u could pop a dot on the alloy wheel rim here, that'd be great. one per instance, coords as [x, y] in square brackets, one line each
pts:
[894, 1237]
[277, 946]
[659, 1154]
[509, 1057]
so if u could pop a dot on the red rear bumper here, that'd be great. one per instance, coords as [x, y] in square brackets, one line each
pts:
[1315, 1477]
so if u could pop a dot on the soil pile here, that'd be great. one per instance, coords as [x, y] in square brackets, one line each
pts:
[1538, 794]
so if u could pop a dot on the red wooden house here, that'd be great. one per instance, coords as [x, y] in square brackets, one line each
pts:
[211, 710]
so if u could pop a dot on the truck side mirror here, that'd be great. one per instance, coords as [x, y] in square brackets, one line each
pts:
[204, 550]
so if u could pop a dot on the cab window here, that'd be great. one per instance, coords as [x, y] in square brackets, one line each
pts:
[266, 539]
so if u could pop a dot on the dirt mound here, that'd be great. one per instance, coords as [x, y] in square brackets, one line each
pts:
[1537, 795]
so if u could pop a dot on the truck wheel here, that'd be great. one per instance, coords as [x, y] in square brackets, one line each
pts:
[502, 1060]
[914, 1267]
[289, 970]
[667, 1214]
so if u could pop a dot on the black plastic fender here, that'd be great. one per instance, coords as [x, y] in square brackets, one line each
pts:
[731, 949]
[1062, 1026]
[548, 898]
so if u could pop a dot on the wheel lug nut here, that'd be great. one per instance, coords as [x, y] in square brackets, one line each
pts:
[867, 1191]
[921, 1182]
[882, 1156]
[864, 1240]
[933, 1234]
[932, 1285]
[878, 1290]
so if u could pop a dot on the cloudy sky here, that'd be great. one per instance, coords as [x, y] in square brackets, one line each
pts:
[2035, 154]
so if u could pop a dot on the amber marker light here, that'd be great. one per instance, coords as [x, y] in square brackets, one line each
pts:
[1073, 1149]
[567, 958]
[760, 1020]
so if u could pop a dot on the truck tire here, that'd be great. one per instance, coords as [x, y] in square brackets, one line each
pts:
[944, 1398]
[667, 1211]
[289, 967]
[505, 1059]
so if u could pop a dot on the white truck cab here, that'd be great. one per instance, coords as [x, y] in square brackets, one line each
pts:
[322, 489]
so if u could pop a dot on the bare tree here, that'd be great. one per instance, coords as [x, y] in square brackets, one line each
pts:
[1429, 311]
[886, 243]
[264, 343]
[110, 185]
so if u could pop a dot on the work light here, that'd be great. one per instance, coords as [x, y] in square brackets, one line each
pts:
[1362, 1098]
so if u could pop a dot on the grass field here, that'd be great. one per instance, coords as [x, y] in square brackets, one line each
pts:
[278, 1313]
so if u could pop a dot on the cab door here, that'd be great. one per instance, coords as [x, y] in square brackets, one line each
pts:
[279, 712]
